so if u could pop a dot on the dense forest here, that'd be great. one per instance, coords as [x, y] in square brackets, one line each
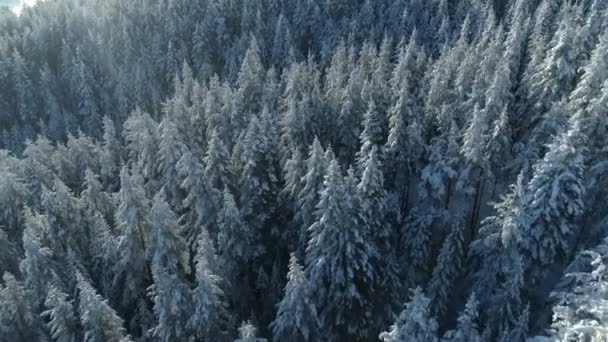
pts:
[304, 170]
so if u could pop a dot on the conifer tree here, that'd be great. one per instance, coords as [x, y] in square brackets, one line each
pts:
[247, 333]
[338, 259]
[110, 155]
[296, 318]
[554, 201]
[37, 265]
[202, 200]
[63, 323]
[99, 321]
[141, 135]
[18, 317]
[446, 272]
[414, 323]
[467, 329]
[170, 150]
[132, 218]
[312, 184]
[209, 317]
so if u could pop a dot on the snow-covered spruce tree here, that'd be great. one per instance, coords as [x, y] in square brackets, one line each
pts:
[217, 162]
[94, 199]
[553, 202]
[250, 84]
[467, 329]
[595, 72]
[19, 320]
[99, 321]
[110, 155]
[235, 238]
[209, 317]
[416, 234]
[142, 138]
[131, 271]
[499, 279]
[37, 266]
[170, 264]
[202, 200]
[447, 270]
[581, 314]
[371, 135]
[258, 183]
[308, 196]
[375, 217]
[555, 78]
[63, 323]
[338, 262]
[167, 248]
[14, 191]
[415, 323]
[296, 318]
[248, 333]
[170, 150]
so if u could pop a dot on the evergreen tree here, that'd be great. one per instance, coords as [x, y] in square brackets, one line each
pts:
[18, 317]
[37, 265]
[170, 150]
[555, 79]
[99, 321]
[247, 333]
[141, 135]
[554, 201]
[296, 318]
[132, 218]
[209, 315]
[63, 323]
[467, 328]
[338, 259]
[447, 270]
[110, 155]
[202, 200]
[312, 184]
[414, 323]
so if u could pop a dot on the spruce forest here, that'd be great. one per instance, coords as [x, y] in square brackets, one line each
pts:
[304, 170]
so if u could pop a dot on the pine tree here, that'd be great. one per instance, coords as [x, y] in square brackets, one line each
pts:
[99, 321]
[414, 323]
[338, 259]
[296, 318]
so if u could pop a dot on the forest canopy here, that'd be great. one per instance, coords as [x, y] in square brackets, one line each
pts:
[304, 170]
